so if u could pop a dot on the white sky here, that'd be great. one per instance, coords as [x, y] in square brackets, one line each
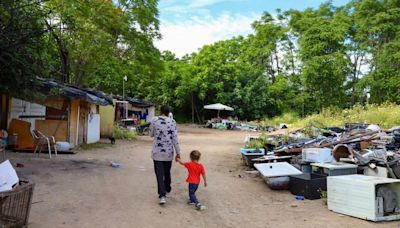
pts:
[185, 37]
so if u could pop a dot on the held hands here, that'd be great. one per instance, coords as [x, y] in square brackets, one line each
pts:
[177, 157]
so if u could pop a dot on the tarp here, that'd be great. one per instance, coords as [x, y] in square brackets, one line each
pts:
[218, 106]
[53, 87]
[135, 102]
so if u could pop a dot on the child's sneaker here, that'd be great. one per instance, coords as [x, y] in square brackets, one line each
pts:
[200, 207]
[190, 202]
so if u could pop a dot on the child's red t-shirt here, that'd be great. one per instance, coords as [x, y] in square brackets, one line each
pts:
[195, 170]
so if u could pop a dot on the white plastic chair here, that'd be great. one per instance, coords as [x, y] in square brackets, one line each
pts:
[42, 140]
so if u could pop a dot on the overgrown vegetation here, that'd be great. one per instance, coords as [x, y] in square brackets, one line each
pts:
[255, 144]
[385, 115]
[123, 133]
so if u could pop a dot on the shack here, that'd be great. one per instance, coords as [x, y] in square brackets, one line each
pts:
[125, 111]
[69, 113]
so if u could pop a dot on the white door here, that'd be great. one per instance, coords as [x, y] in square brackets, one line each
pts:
[21, 108]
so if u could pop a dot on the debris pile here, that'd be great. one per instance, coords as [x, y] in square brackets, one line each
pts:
[306, 160]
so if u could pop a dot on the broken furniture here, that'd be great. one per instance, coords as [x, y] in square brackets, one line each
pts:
[309, 185]
[276, 175]
[42, 140]
[365, 197]
[19, 134]
[334, 169]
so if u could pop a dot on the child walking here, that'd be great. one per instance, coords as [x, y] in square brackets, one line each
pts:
[195, 169]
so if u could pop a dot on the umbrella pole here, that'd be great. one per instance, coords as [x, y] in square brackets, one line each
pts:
[218, 114]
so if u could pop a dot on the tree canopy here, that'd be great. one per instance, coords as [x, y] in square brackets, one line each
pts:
[298, 61]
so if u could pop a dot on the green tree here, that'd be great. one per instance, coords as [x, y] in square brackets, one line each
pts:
[99, 42]
[378, 31]
[21, 44]
[321, 36]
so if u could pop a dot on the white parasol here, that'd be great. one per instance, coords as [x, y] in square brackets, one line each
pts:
[219, 107]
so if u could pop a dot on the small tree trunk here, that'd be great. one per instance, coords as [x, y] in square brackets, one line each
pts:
[277, 62]
[63, 54]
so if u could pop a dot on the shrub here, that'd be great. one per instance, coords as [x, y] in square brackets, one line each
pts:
[123, 133]
[255, 143]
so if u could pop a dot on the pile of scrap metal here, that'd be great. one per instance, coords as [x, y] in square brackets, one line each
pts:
[365, 145]
[312, 161]
[360, 144]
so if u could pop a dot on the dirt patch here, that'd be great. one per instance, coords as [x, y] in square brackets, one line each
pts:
[82, 190]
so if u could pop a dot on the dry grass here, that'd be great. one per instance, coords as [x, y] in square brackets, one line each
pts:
[385, 115]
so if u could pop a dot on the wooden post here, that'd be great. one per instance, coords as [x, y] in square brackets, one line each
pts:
[77, 126]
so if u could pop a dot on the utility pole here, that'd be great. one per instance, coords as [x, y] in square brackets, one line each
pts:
[124, 79]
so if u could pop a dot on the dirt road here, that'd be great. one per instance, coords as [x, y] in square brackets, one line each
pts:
[82, 190]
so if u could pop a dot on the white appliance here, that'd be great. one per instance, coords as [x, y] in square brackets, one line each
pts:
[317, 155]
[366, 197]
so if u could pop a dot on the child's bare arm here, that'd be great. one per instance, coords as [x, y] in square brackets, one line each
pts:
[205, 179]
[179, 160]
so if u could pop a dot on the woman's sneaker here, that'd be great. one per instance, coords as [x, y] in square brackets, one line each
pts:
[163, 200]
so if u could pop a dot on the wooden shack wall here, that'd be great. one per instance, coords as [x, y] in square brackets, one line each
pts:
[107, 120]
[56, 128]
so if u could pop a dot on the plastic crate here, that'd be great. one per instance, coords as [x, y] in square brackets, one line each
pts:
[15, 205]
[308, 185]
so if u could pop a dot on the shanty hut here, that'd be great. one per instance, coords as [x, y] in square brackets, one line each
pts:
[126, 111]
[69, 113]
